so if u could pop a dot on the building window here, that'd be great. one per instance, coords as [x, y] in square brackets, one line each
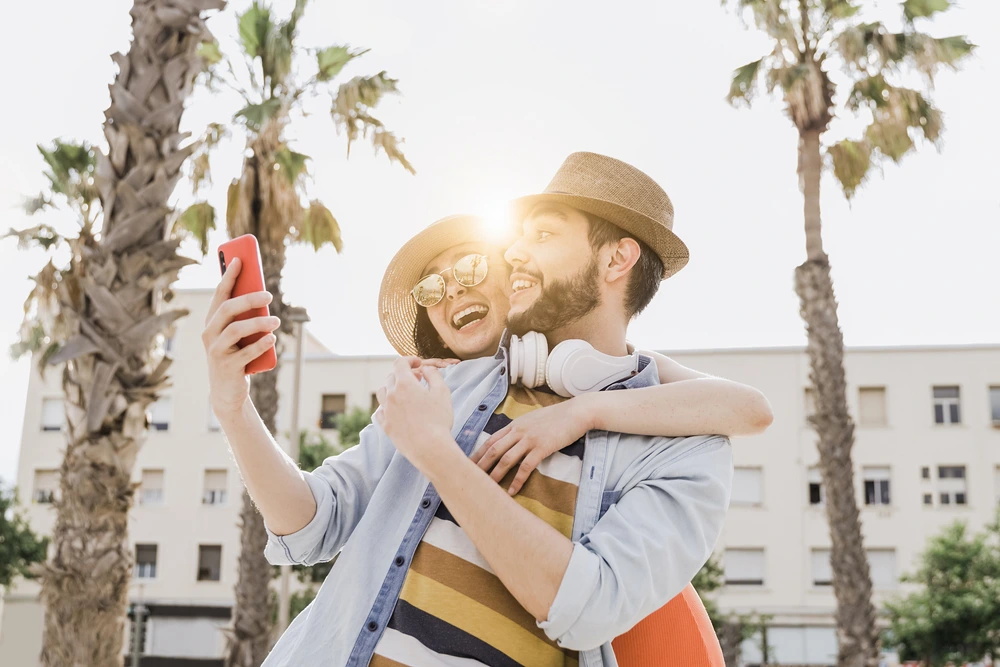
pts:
[744, 567]
[160, 413]
[747, 486]
[46, 485]
[952, 487]
[946, 410]
[209, 562]
[928, 499]
[809, 396]
[215, 487]
[151, 491]
[871, 403]
[213, 422]
[816, 494]
[995, 405]
[53, 414]
[822, 572]
[333, 405]
[925, 472]
[876, 485]
[145, 561]
[882, 565]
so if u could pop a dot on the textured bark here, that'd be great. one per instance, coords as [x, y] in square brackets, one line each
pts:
[730, 639]
[112, 298]
[249, 641]
[856, 632]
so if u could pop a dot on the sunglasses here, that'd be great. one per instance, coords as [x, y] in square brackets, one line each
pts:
[468, 271]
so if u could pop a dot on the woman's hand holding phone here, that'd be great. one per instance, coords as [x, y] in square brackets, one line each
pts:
[229, 384]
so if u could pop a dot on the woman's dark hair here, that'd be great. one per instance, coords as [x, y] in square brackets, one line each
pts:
[427, 340]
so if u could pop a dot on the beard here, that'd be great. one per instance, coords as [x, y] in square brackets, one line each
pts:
[561, 303]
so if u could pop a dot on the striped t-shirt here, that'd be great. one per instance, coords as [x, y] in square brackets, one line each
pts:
[453, 611]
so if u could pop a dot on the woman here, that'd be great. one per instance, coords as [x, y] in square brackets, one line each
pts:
[446, 295]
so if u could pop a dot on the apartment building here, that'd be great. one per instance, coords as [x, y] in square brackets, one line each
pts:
[927, 453]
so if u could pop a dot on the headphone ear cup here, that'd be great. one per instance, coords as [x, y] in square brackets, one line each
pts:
[560, 360]
[535, 352]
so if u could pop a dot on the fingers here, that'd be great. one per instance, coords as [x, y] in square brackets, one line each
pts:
[225, 287]
[254, 350]
[508, 461]
[229, 310]
[435, 381]
[527, 466]
[439, 363]
[485, 455]
[497, 451]
[236, 331]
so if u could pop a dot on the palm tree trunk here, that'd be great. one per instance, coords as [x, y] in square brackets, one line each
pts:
[113, 300]
[249, 642]
[856, 632]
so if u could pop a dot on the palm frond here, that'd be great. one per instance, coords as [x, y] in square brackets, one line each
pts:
[318, 227]
[254, 26]
[851, 164]
[291, 164]
[209, 53]
[331, 60]
[197, 221]
[383, 139]
[744, 84]
[43, 236]
[256, 115]
[290, 27]
[891, 137]
[353, 103]
[913, 9]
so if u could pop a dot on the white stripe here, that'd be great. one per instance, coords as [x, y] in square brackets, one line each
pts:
[451, 538]
[562, 467]
[409, 651]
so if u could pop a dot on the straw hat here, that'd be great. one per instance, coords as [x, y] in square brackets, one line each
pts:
[397, 309]
[622, 195]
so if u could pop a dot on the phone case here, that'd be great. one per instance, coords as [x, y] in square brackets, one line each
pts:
[251, 279]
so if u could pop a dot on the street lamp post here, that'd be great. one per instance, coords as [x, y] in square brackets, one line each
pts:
[298, 316]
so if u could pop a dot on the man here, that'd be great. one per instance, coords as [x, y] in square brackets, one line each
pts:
[647, 512]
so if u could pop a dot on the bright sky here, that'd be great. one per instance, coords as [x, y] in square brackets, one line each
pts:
[495, 94]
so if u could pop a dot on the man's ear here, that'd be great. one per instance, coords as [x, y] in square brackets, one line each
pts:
[624, 255]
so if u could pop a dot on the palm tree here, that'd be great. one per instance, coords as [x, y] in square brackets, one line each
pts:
[810, 38]
[266, 201]
[103, 317]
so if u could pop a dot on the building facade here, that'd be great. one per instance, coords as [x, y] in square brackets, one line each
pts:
[927, 453]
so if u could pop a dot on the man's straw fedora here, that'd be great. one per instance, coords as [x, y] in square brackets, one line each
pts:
[622, 195]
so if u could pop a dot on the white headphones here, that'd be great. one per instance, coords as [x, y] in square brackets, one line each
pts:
[573, 367]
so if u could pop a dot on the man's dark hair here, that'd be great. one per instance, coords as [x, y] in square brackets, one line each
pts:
[646, 275]
[427, 340]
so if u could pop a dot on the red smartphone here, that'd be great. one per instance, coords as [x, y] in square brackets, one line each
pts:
[251, 279]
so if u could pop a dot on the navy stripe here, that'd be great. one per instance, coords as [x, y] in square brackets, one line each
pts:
[576, 449]
[445, 638]
[496, 422]
[444, 514]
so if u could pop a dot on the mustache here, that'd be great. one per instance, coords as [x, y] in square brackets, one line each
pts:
[528, 272]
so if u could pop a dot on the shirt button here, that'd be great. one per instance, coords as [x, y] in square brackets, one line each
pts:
[482, 406]
[372, 626]
[399, 561]
[425, 503]
[503, 371]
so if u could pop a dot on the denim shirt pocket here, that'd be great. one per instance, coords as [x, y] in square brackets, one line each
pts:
[608, 498]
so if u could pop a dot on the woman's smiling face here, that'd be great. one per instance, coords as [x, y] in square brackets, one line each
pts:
[470, 320]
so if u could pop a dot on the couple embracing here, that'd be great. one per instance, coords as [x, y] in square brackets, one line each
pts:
[532, 490]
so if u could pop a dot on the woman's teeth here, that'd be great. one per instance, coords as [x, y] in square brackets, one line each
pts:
[466, 316]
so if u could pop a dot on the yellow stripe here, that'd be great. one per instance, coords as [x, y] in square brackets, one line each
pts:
[479, 621]
[561, 522]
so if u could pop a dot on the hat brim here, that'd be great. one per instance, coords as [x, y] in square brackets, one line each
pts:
[667, 245]
[397, 309]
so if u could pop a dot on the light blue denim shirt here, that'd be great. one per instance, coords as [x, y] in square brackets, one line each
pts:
[648, 514]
